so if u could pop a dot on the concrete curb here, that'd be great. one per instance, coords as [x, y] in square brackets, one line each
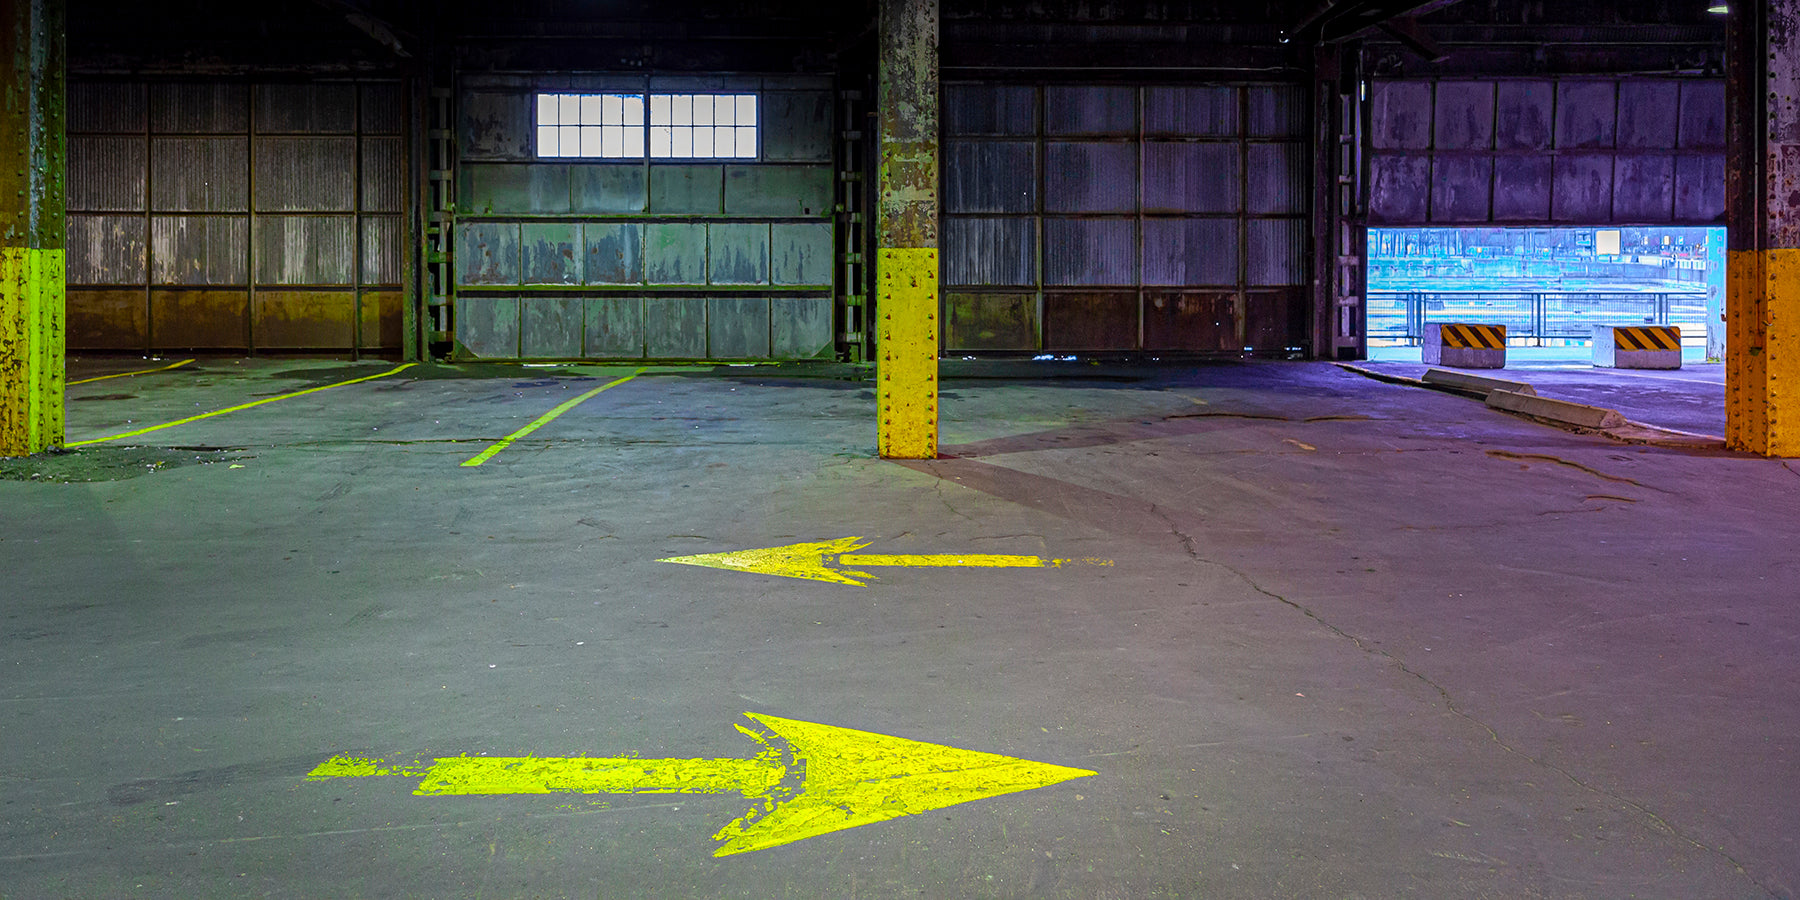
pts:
[1473, 384]
[1563, 411]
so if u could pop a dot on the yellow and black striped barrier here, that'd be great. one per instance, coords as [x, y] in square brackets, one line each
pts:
[1465, 345]
[1637, 346]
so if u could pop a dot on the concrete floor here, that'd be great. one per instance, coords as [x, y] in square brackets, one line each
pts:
[1356, 639]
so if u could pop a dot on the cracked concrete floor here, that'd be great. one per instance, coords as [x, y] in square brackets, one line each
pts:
[1355, 640]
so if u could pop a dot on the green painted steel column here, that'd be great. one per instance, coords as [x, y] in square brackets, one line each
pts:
[33, 163]
[1762, 214]
[906, 263]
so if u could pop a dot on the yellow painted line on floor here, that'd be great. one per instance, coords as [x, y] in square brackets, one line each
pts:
[845, 779]
[138, 372]
[244, 406]
[543, 420]
[819, 561]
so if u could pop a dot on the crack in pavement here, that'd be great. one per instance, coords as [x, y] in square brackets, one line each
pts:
[1545, 457]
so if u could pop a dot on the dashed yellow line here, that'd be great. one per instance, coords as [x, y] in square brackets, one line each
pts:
[138, 372]
[543, 420]
[220, 412]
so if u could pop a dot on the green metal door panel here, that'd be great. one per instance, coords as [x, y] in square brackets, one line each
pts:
[738, 253]
[608, 188]
[615, 252]
[487, 253]
[495, 125]
[796, 126]
[737, 327]
[990, 322]
[550, 327]
[675, 253]
[778, 190]
[685, 189]
[487, 327]
[614, 327]
[552, 253]
[529, 189]
[675, 327]
[801, 253]
[800, 328]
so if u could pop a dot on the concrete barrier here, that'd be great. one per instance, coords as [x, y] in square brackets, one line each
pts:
[1474, 384]
[1556, 410]
[1465, 345]
[1637, 346]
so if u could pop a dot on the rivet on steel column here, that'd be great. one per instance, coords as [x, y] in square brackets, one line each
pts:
[32, 227]
[906, 264]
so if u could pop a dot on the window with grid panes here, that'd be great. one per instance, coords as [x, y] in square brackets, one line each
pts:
[676, 126]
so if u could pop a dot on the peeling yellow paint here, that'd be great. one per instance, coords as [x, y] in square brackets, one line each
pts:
[31, 350]
[837, 562]
[906, 338]
[1762, 396]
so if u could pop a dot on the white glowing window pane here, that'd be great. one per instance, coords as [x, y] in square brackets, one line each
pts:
[612, 109]
[590, 109]
[568, 109]
[659, 109]
[569, 137]
[546, 109]
[659, 137]
[703, 142]
[724, 110]
[683, 144]
[547, 140]
[746, 109]
[590, 140]
[721, 141]
[611, 143]
[703, 109]
[633, 109]
[746, 142]
[683, 109]
[634, 143]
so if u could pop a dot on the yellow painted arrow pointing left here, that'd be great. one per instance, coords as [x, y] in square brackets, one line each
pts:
[838, 562]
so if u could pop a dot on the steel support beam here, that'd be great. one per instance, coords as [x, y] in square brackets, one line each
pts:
[1762, 174]
[906, 263]
[33, 163]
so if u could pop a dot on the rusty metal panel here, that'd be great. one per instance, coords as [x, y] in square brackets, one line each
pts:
[1276, 252]
[487, 327]
[675, 327]
[1700, 189]
[383, 109]
[989, 109]
[199, 174]
[1398, 189]
[737, 253]
[305, 174]
[615, 252]
[1523, 114]
[1522, 188]
[551, 327]
[1583, 189]
[1586, 114]
[1400, 115]
[796, 126]
[800, 328]
[1464, 115]
[1277, 110]
[552, 253]
[777, 190]
[383, 320]
[1649, 111]
[506, 189]
[487, 253]
[1104, 320]
[1275, 320]
[1703, 114]
[494, 126]
[737, 327]
[1278, 178]
[609, 188]
[683, 189]
[1090, 251]
[113, 106]
[1191, 251]
[984, 252]
[990, 321]
[305, 108]
[303, 320]
[1090, 178]
[1192, 177]
[800, 253]
[1191, 320]
[383, 173]
[1090, 109]
[675, 253]
[613, 327]
[199, 108]
[1208, 111]
[107, 320]
[383, 240]
[106, 173]
[200, 320]
[105, 250]
[1460, 188]
[990, 176]
[305, 249]
[199, 249]
[1643, 189]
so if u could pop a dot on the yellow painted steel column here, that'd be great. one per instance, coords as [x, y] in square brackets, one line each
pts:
[1762, 305]
[32, 227]
[906, 263]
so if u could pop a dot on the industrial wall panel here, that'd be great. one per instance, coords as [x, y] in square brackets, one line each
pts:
[984, 252]
[990, 176]
[1275, 320]
[1275, 111]
[1464, 116]
[801, 253]
[383, 320]
[383, 174]
[1703, 114]
[1204, 321]
[1090, 109]
[1523, 114]
[199, 174]
[1278, 178]
[675, 327]
[1399, 187]
[1090, 251]
[1586, 114]
[1649, 113]
[1101, 320]
[1461, 187]
[487, 253]
[675, 253]
[106, 106]
[551, 327]
[1275, 252]
[1191, 251]
[303, 320]
[305, 174]
[737, 253]
[1400, 115]
[305, 108]
[1522, 188]
[990, 321]
[200, 320]
[1643, 189]
[686, 189]
[531, 189]
[796, 126]
[608, 188]
[107, 320]
[199, 108]
[737, 327]
[383, 109]
[495, 126]
[199, 250]
[105, 250]
[383, 242]
[487, 327]
[989, 109]
[615, 252]
[106, 173]
[551, 253]
[1192, 177]
[1209, 111]
[1583, 188]
[305, 250]
[1700, 188]
[1090, 177]
[613, 327]
[800, 328]
[778, 190]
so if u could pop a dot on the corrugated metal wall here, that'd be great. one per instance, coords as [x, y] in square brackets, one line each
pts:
[641, 259]
[1588, 151]
[1125, 218]
[235, 217]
